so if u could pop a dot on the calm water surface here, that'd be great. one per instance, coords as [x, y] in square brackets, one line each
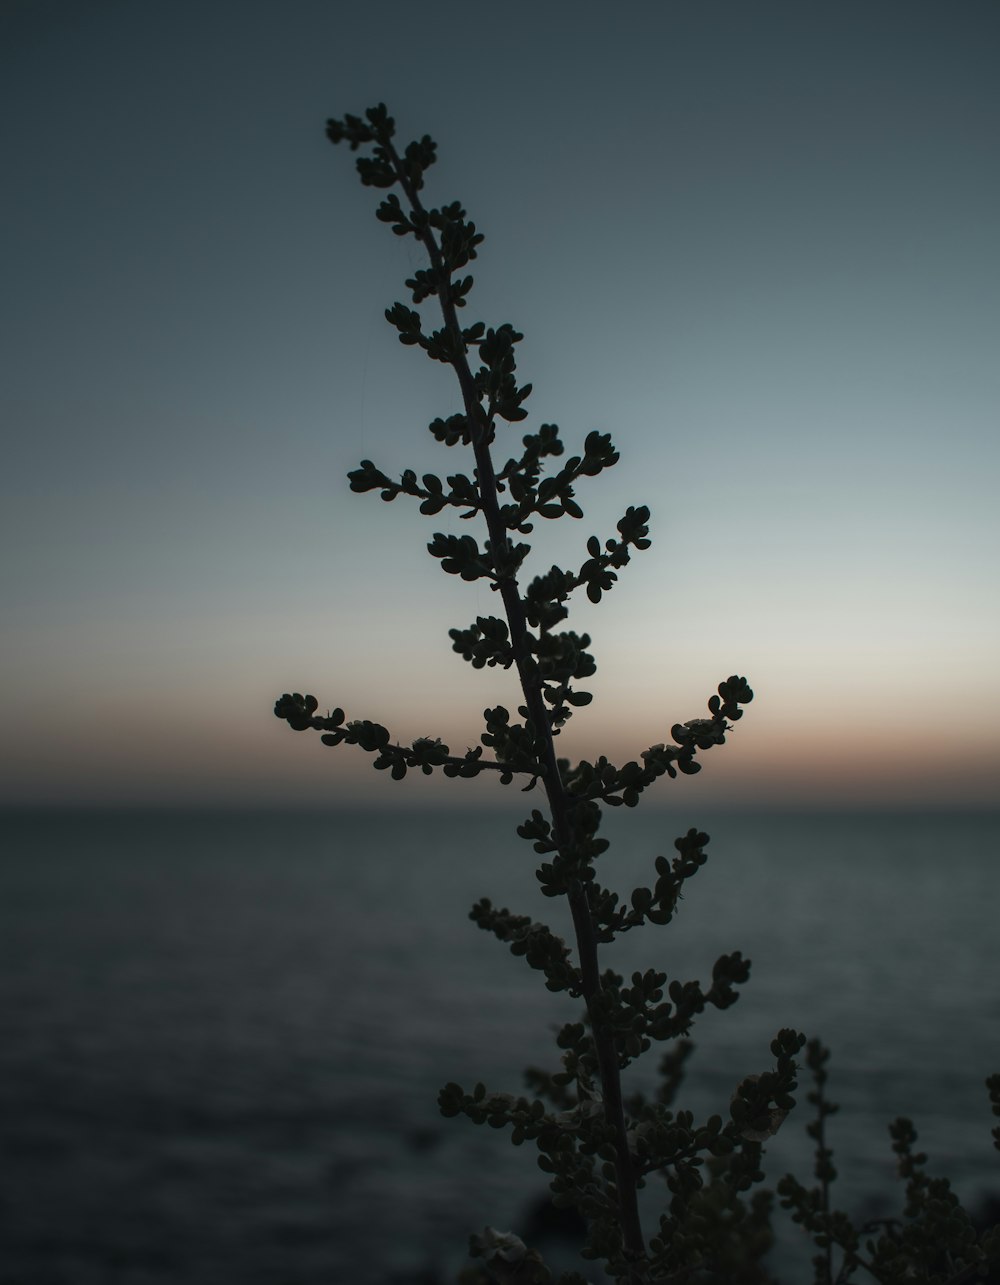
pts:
[223, 1035]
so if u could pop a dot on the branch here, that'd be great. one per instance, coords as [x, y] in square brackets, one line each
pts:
[617, 786]
[298, 711]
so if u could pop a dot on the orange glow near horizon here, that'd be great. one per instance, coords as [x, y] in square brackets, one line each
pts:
[838, 759]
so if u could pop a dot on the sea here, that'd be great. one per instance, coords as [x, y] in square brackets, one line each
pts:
[222, 1034]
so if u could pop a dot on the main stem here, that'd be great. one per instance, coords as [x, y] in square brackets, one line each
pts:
[559, 803]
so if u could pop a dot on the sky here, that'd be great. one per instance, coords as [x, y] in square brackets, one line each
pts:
[756, 242]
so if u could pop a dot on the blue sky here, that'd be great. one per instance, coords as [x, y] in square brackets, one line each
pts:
[756, 243]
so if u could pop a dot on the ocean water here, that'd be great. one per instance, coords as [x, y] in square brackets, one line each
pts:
[222, 1035]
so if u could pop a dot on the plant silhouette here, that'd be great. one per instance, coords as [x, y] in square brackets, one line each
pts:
[599, 1145]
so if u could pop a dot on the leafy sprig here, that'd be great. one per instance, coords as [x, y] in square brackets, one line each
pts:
[598, 1145]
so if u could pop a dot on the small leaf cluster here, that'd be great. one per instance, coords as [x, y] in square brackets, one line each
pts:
[615, 786]
[486, 642]
[461, 493]
[553, 496]
[638, 1014]
[934, 1242]
[654, 905]
[426, 753]
[572, 865]
[515, 744]
[538, 944]
[378, 127]
[546, 595]
[554, 660]
[460, 555]
[508, 1260]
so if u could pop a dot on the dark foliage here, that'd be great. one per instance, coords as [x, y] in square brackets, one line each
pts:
[597, 1146]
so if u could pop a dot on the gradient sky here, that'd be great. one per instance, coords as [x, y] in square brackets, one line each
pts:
[756, 242]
